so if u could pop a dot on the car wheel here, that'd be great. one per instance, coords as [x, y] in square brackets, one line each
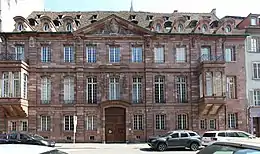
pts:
[194, 146]
[161, 147]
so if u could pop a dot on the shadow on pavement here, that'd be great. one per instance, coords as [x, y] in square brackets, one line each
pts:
[150, 149]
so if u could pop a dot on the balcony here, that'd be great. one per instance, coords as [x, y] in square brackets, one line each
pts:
[14, 107]
[10, 60]
[206, 61]
[210, 105]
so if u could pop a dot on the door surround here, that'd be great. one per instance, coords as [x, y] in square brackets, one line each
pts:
[120, 104]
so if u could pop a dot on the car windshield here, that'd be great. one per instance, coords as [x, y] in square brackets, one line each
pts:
[165, 135]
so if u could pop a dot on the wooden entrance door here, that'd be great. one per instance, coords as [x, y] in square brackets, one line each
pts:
[115, 125]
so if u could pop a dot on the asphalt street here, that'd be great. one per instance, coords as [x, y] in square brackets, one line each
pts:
[116, 148]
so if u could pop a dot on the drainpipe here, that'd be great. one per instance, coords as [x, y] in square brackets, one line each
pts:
[145, 106]
[225, 106]
[190, 80]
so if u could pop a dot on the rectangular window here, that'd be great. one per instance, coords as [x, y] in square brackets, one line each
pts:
[45, 54]
[205, 54]
[45, 90]
[160, 121]
[252, 43]
[114, 89]
[25, 86]
[45, 123]
[256, 70]
[218, 84]
[203, 124]
[231, 87]
[68, 54]
[92, 90]
[201, 86]
[253, 21]
[91, 123]
[68, 90]
[232, 120]
[159, 89]
[11, 84]
[230, 54]
[180, 54]
[209, 84]
[137, 90]
[91, 53]
[19, 52]
[181, 84]
[24, 126]
[137, 54]
[13, 126]
[212, 124]
[182, 121]
[159, 55]
[114, 54]
[68, 123]
[256, 97]
[138, 122]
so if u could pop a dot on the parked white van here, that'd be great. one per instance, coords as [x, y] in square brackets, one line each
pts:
[210, 137]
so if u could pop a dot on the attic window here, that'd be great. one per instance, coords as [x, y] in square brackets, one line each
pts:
[253, 21]
[158, 27]
[46, 27]
[78, 16]
[32, 21]
[69, 27]
[166, 18]
[204, 28]
[94, 17]
[38, 16]
[19, 26]
[228, 29]
[60, 16]
[132, 17]
[168, 25]
[149, 17]
[180, 28]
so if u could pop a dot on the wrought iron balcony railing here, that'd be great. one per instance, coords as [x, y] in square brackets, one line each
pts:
[11, 57]
[211, 58]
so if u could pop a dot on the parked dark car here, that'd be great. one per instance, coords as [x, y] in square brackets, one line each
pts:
[25, 138]
[176, 139]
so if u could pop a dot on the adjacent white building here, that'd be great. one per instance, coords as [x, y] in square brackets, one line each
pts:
[252, 56]
[21, 8]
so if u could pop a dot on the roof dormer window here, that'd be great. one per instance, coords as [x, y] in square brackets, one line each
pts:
[180, 28]
[19, 26]
[132, 17]
[166, 18]
[228, 29]
[69, 27]
[158, 27]
[204, 28]
[46, 27]
[149, 17]
[253, 21]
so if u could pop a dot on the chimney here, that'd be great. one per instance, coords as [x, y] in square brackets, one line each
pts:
[175, 11]
[214, 11]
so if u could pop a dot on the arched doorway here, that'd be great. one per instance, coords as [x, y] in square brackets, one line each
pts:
[115, 125]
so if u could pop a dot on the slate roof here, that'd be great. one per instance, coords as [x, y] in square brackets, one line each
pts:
[191, 21]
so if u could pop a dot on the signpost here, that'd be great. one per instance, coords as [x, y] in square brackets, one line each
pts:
[75, 118]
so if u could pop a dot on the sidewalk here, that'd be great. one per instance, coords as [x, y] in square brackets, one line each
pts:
[98, 146]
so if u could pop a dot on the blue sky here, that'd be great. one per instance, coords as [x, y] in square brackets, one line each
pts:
[224, 7]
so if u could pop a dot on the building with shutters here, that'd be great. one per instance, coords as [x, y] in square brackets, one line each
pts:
[251, 25]
[126, 75]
